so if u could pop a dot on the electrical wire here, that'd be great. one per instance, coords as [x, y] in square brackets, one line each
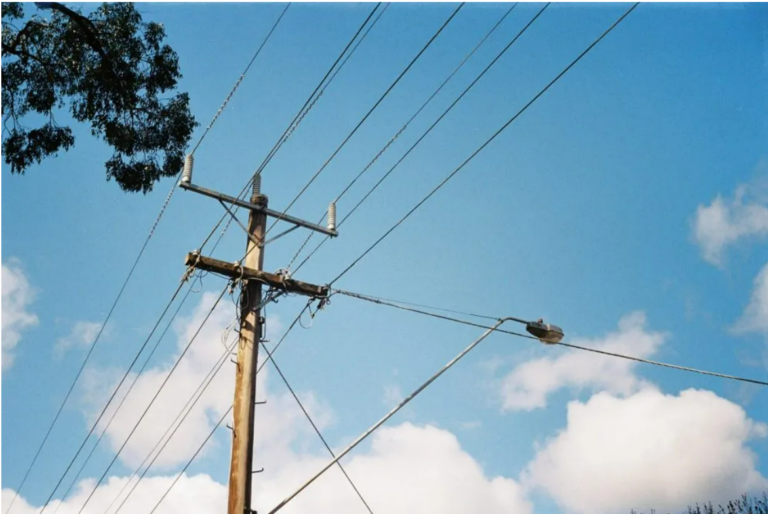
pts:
[666, 365]
[317, 430]
[152, 402]
[239, 80]
[293, 125]
[380, 301]
[400, 305]
[189, 462]
[90, 351]
[214, 370]
[180, 417]
[184, 469]
[322, 86]
[128, 278]
[398, 134]
[391, 413]
[303, 111]
[487, 142]
[367, 115]
[446, 111]
[125, 396]
[127, 372]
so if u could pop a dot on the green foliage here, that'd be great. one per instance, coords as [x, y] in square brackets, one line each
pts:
[112, 70]
[744, 505]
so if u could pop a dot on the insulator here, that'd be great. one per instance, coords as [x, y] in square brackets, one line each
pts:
[257, 184]
[332, 216]
[186, 175]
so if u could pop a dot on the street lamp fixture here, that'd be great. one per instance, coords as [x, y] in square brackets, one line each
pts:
[545, 332]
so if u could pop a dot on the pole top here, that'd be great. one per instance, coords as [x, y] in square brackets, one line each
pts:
[260, 199]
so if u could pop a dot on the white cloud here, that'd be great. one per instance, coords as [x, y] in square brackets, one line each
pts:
[82, 335]
[197, 494]
[192, 369]
[724, 222]
[649, 450]
[755, 316]
[408, 468]
[528, 385]
[17, 296]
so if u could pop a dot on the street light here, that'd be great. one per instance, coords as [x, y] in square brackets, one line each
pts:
[545, 332]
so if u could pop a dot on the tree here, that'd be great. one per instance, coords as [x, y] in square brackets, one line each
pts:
[112, 70]
[744, 505]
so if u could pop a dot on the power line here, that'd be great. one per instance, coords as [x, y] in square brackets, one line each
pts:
[391, 413]
[370, 111]
[127, 372]
[90, 351]
[487, 142]
[180, 417]
[204, 386]
[130, 274]
[317, 430]
[303, 111]
[184, 469]
[292, 127]
[156, 395]
[434, 124]
[189, 462]
[125, 396]
[321, 86]
[666, 365]
[239, 80]
[380, 301]
[397, 135]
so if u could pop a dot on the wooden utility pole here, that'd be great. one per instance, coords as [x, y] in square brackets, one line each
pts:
[251, 273]
[241, 466]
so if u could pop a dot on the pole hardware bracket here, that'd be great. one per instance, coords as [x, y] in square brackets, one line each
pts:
[233, 270]
[258, 208]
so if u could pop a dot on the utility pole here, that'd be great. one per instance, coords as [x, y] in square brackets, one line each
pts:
[241, 465]
[252, 276]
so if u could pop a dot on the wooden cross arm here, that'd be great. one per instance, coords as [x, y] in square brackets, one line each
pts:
[236, 271]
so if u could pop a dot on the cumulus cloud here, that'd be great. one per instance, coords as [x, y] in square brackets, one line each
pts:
[529, 384]
[408, 468]
[17, 296]
[83, 333]
[648, 450]
[725, 221]
[205, 351]
[755, 316]
[198, 494]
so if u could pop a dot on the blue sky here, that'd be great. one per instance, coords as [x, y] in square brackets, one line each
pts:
[627, 205]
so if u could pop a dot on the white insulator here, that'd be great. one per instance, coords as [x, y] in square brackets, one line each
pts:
[257, 184]
[332, 216]
[186, 175]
